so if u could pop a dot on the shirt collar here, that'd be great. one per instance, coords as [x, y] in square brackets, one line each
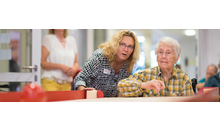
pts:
[173, 72]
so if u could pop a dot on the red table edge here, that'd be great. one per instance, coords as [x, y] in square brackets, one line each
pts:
[52, 96]
[208, 96]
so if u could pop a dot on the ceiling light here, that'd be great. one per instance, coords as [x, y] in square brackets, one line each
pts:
[190, 32]
[141, 38]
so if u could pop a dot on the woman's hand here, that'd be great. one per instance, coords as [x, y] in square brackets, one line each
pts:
[83, 88]
[88, 89]
[71, 72]
[65, 68]
[153, 84]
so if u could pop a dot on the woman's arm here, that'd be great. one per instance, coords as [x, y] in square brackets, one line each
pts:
[133, 86]
[200, 85]
[73, 70]
[76, 63]
[88, 72]
[130, 87]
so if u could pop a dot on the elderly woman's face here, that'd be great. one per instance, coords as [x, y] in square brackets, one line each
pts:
[166, 57]
[125, 48]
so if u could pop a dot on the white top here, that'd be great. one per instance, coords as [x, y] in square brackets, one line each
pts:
[59, 55]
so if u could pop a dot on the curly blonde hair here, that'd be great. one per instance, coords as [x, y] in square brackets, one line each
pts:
[110, 49]
[65, 34]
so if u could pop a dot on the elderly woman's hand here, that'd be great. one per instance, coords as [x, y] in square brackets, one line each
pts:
[153, 84]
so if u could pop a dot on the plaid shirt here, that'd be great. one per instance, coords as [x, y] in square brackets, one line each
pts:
[97, 73]
[178, 84]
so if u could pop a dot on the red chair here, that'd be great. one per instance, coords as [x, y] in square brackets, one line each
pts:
[75, 76]
[204, 89]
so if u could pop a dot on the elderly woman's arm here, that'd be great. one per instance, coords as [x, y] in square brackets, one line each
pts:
[130, 87]
[134, 85]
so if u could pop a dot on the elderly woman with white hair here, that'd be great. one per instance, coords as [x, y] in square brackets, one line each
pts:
[162, 80]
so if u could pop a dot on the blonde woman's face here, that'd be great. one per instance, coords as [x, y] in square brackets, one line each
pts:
[126, 47]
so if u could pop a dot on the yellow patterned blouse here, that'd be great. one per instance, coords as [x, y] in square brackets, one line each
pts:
[178, 84]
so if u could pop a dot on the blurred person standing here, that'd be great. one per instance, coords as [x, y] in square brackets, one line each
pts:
[210, 71]
[113, 61]
[58, 60]
[13, 64]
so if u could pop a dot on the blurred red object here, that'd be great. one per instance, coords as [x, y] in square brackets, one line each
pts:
[100, 94]
[33, 93]
[75, 75]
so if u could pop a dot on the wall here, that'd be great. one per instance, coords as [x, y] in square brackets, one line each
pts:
[188, 52]
[80, 36]
[99, 37]
[4, 64]
[147, 49]
[44, 32]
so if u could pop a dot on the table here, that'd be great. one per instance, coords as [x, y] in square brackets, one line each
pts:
[80, 96]
[206, 96]
[134, 99]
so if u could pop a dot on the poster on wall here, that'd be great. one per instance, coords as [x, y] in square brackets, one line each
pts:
[5, 51]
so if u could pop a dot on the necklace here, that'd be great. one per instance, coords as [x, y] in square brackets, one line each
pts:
[62, 40]
[119, 66]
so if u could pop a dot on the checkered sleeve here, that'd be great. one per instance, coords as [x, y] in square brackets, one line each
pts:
[130, 87]
[89, 70]
[187, 87]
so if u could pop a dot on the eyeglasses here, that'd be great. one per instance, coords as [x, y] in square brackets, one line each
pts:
[123, 46]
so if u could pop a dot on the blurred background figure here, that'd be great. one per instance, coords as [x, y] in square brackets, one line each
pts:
[178, 66]
[59, 60]
[210, 71]
[13, 64]
[214, 81]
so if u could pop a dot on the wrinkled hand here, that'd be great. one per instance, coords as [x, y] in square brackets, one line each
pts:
[153, 84]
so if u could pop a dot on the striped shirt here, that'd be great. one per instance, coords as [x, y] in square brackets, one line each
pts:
[178, 84]
[97, 73]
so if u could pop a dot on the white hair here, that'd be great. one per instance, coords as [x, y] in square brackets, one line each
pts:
[170, 42]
